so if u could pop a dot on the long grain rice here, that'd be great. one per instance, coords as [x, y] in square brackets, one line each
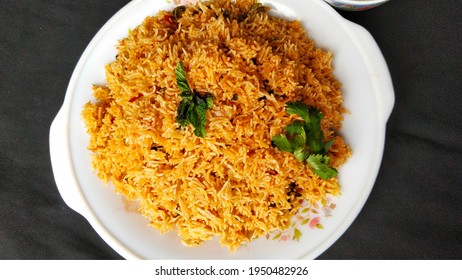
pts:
[232, 183]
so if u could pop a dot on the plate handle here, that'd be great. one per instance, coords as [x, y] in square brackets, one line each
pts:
[377, 67]
[62, 164]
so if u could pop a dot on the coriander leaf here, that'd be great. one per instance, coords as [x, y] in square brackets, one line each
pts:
[282, 143]
[315, 143]
[305, 140]
[296, 127]
[181, 80]
[319, 164]
[301, 154]
[327, 145]
[300, 109]
[298, 142]
[317, 161]
[182, 112]
[315, 136]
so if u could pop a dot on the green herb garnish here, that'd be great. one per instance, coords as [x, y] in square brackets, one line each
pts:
[192, 108]
[181, 79]
[319, 163]
[305, 139]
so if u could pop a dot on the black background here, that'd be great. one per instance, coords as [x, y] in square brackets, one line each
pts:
[413, 212]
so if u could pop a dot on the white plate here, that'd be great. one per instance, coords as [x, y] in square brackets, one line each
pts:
[368, 94]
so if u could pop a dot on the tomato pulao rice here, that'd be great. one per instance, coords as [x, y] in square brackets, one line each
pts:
[232, 183]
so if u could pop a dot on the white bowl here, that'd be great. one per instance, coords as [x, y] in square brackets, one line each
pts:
[356, 5]
[368, 94]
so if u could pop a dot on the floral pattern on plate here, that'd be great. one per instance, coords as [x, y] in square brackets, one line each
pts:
[310, 215]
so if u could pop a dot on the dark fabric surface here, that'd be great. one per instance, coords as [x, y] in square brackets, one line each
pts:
[413, 212]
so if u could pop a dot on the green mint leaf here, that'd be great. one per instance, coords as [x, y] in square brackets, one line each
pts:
[200, 132]
[209, 100]
[181, 79]
[182, 112]
[187, 96]
[197, 117]
[192, 108]
[319, 164]
[300, 109]
[282, 143]
[197, 99]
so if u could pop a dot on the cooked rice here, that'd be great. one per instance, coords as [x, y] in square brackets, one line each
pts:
[232, 183]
